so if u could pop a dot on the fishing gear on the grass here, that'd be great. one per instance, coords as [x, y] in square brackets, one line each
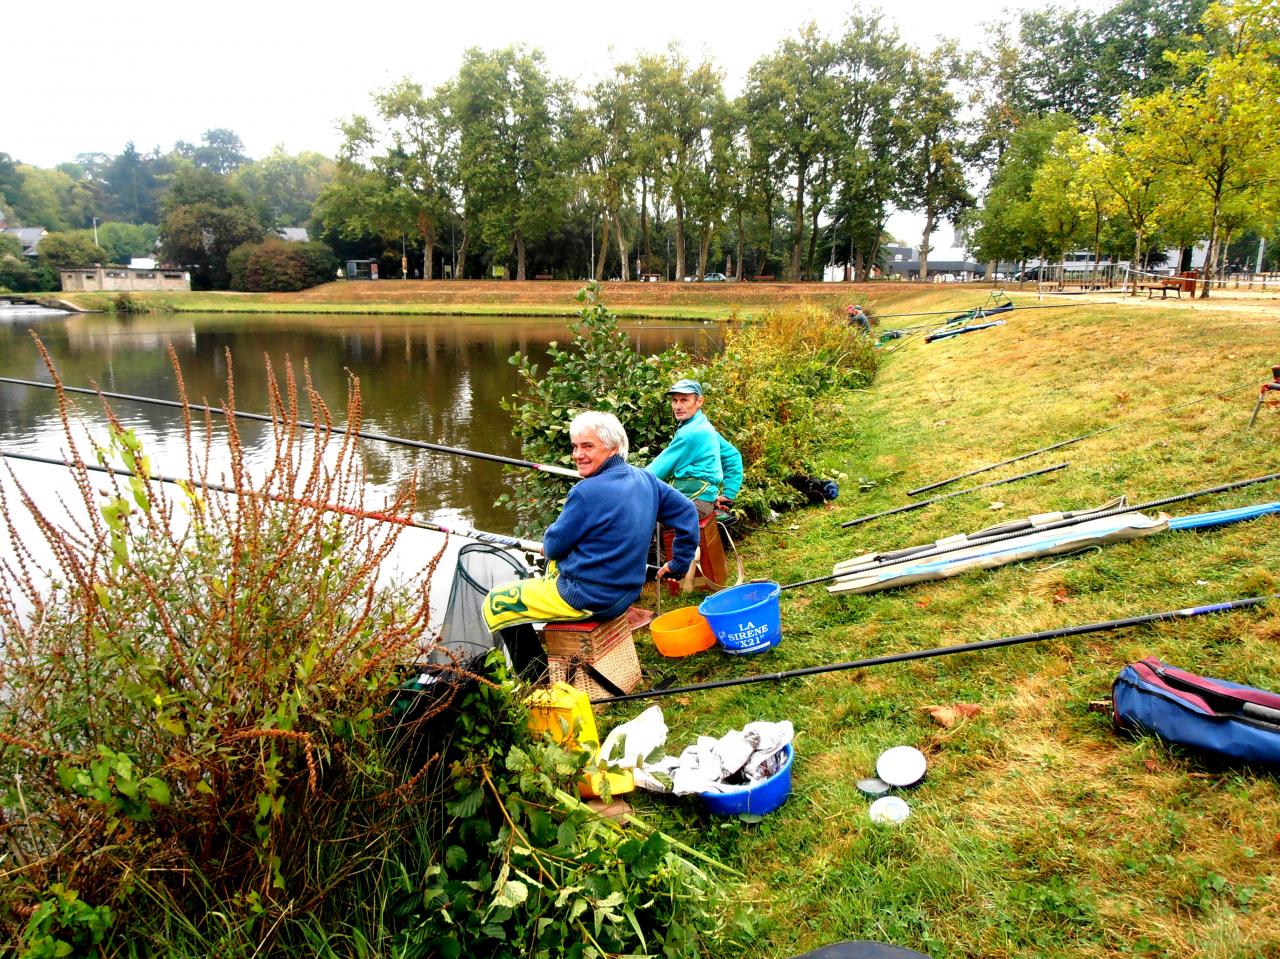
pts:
[1085, 628]
[263, 418]
[947, 334]
[1060, 445]
[962, 492]
[1263, 391]
[942, 550]
[528, 545]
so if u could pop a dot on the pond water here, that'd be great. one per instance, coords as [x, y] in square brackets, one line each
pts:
[438, 379]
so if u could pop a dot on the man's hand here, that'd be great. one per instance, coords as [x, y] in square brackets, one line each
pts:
[723, 502]
[663, 572]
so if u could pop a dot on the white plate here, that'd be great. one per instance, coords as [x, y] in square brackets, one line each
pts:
[901, 766]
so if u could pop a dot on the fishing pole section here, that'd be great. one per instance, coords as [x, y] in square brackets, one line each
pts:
[1080, 630]
[496, 539]
[263, 418]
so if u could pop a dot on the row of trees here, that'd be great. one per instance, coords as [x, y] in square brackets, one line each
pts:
[827, 137]
[1055, 124]
[1195, 160]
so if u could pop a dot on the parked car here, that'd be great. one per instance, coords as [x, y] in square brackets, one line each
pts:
[714, 278]
[1035, 273]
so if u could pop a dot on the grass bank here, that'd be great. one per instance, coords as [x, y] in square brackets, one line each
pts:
[720, 301]
[1038, 831]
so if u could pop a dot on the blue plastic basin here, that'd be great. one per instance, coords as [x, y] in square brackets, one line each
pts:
[757, 798]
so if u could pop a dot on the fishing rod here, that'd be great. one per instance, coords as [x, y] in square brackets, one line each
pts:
[938, 499]
[967, 543]
[1060, 445]
[497, 539]
[950, 650]
[260, 417]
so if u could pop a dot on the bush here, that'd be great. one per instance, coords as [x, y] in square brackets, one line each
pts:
[275, 265]
[195, 711]
[599, 370]
[771, 390]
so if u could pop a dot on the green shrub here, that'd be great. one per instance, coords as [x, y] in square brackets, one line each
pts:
[770, 390]
[275, 265]
[599, 370]
[194, 729]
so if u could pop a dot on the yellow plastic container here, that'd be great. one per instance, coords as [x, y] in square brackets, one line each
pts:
[564, 711]
[682, 632]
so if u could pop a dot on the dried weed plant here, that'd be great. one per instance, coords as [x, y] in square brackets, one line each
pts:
[194, 699]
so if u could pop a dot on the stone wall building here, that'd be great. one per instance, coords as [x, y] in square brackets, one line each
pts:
[88, 279]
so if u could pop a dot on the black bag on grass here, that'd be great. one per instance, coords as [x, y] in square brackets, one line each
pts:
[1223, 719]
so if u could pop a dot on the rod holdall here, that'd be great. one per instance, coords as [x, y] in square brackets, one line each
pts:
[1221, 719]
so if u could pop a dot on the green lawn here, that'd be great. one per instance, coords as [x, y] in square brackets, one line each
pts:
[1038, 831]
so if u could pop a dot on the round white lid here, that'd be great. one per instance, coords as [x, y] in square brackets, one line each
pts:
[901, 766]
[889, 809]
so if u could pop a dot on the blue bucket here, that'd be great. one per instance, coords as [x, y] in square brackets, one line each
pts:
[746, 618]
[757, 798]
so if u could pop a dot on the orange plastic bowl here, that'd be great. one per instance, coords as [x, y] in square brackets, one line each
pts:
[682, 632]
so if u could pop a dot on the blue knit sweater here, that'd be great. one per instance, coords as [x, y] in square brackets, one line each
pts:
[600, 542]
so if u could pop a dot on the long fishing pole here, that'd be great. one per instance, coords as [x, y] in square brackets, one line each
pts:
[497, 539]
[959, 492]
[1060, 524]
[363, 434]
[1058, 446]
[948, 650]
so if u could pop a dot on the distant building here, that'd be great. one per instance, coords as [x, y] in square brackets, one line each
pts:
[89, 279]
[28, 236]
[905, 262]
[294, 234]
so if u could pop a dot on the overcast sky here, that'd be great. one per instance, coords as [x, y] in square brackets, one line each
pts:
[88, 77]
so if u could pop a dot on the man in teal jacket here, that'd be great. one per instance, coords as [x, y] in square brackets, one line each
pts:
[699, 462]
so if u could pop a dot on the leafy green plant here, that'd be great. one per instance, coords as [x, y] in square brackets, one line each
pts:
[529, 870]
[64, 925]
[600, 369]
[773, 390]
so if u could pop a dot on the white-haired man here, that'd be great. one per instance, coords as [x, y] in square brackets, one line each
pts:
[599, 545]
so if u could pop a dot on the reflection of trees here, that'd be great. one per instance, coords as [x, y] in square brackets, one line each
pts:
[434, 379]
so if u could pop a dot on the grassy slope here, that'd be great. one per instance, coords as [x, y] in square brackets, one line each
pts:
[1038, 830]
[490, 298]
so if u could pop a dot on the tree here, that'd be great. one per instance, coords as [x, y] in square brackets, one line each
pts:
[124, 241]
[220, 151]
[1219, 131]
[793, 97]
[283, 188]
[52, 199]
[1062, 207]
[1131, 169]
[871, 66]
[933, 179]
[1006, 226]
[510, 116]
[60, 251]
[205, 219]
[129, 186]
[678, 102]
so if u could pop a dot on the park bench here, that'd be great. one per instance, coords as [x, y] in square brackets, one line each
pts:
[544, 276]
[764, 278]
[1164, 288]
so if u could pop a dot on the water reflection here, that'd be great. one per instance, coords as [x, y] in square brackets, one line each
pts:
[438, 379]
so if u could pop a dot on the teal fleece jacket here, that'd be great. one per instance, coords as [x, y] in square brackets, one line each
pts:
[700, 462]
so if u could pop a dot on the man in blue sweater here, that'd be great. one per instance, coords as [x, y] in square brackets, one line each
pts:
[700, 462]
[599, 545]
